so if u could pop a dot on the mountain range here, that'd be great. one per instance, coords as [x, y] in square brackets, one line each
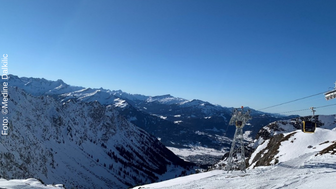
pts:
[81, 144]
[100, 138]
[176, 122]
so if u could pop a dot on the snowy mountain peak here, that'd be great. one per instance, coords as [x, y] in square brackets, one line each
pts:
[166, 99]
[41, 86]
[196, 102]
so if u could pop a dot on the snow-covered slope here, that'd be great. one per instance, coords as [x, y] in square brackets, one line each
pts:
[27, 184]
[284, 147]
[318, 172]
[80, 144]
[295, 159]
[281, 141]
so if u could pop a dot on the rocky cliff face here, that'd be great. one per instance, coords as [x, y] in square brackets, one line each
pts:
[80, 144]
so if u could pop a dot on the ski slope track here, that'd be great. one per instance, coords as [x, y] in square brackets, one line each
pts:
[299, 160]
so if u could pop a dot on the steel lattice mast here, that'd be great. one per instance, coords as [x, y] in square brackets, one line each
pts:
[236, 158]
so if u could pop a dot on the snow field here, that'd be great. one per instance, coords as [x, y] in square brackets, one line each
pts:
[196, 150]
[316, 172]
[26, 184]
[303, 143]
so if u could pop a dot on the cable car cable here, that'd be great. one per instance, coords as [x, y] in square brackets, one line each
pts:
[292, 101]
[306, 109]
[325, 106]
[294, 111]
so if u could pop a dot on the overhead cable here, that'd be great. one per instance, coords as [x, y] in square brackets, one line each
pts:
[325, 106]
[306, 109]
[292, 101]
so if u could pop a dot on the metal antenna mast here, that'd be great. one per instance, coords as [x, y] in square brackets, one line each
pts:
[237, 152]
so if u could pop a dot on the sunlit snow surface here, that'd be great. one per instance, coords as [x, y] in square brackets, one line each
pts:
[196, 150]
[316, 172]
[26, 184]
[299, 167]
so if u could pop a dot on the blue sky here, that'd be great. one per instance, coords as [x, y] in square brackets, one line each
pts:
[232, 53]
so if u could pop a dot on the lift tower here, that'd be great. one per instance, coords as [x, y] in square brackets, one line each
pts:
[237, 152]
